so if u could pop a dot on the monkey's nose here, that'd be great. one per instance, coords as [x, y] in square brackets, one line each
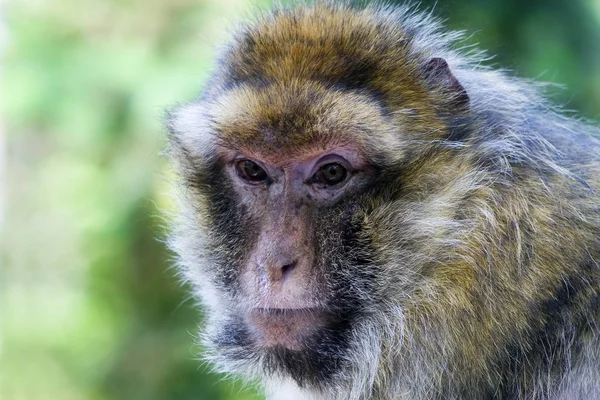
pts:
[286, 270]
[279, 272]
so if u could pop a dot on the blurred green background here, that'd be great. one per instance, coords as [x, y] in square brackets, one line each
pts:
[89, 306]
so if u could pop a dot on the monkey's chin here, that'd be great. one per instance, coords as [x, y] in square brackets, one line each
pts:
[287, 328]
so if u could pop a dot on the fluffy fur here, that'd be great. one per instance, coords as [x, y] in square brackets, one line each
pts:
[468, 270]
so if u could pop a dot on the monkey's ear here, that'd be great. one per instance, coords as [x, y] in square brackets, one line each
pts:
[439, 78]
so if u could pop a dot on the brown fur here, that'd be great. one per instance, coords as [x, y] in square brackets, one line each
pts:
[483, 226]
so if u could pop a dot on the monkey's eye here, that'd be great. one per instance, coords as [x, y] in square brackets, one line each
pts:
[331, 174]
[251, 171]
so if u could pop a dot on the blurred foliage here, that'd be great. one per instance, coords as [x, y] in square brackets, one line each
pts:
[89, 306]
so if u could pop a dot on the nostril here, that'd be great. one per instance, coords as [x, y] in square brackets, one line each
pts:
[286, 270]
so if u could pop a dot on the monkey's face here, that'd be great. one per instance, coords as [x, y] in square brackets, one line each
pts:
[289, 252]
[298, 215]
[281, 239]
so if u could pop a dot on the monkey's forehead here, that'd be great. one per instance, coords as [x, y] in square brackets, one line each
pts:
[282, 117]
[284, 120]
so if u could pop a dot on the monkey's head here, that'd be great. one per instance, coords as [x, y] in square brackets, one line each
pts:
[322, 179]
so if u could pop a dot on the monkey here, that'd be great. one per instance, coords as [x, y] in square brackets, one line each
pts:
[367, 212]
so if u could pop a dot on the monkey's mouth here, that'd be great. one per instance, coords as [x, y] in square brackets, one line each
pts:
[284, 327]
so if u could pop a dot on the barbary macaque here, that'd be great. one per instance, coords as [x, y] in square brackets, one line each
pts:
[367, 213]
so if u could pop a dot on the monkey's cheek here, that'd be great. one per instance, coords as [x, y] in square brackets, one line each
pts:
[290, 329]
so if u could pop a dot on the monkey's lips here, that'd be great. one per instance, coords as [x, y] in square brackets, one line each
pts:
[284, 327]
